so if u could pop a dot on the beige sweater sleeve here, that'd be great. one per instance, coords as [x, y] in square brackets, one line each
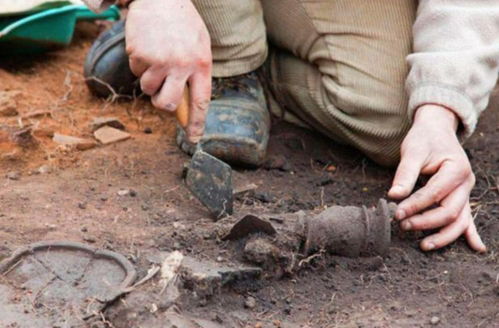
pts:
[456, 57]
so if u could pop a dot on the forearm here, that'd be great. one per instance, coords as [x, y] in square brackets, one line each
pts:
[455, 62]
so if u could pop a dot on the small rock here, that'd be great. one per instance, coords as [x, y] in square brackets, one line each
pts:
[89, 239]
[123, 192]
[113, 122]
[107, 135]
[207, 278]
[82, 205]
[147, 130]
[264, 197]
[13, 175]
[250, 302]
[434, 320]
[44, 169]
[8, 105]
[79, 143]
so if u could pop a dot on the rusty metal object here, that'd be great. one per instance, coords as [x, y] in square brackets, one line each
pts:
[348, 231]
[67, 282]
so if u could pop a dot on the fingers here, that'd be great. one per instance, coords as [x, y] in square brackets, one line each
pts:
[449, 176]
[406, 176]
[446, 213]
[170, 95]
[137, 66]
[464, 224]
[200, 92]
[474, 239]
[152, 80]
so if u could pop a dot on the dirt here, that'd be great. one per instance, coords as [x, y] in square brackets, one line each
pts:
[129, 197]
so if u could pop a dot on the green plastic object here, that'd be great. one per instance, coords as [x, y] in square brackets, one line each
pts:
[45, 30]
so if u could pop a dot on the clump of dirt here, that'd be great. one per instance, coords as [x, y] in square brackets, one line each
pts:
[129, 197]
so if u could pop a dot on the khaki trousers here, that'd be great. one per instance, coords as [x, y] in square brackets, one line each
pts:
[337, 66]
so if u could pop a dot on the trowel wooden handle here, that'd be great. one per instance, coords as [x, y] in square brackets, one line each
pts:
[182, 112]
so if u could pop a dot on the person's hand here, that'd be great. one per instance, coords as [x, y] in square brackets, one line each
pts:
[169, 47]
[432, 148]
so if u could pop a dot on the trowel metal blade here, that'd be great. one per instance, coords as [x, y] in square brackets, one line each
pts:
[210, 180]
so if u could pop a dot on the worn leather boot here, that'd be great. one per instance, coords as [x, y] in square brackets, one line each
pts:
[238, 121]
[106, 68]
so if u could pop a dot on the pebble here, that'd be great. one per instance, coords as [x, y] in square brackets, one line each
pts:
[13, 175]
[44, 169]
[148, 130]
[82, 205]
[123, 192]
[89, 239]
[113, 122]
[79, 143]
[8, 105]
[250, 302]
[107, 135]
[434, 320]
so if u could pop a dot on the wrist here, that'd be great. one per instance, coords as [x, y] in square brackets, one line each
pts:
[436, 115]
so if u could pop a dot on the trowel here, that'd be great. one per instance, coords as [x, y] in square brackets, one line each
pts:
[208, 178]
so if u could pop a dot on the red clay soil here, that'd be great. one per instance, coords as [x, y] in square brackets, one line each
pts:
[76, 198]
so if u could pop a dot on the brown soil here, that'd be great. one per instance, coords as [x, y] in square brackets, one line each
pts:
[78, 201]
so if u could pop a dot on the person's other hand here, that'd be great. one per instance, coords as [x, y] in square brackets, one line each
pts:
[432, 148]
[169, 47]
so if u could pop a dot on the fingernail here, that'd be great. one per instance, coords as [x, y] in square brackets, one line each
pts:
[430, 246]
[400, 214]
[406, 225]
[170, 107]
[397, 189]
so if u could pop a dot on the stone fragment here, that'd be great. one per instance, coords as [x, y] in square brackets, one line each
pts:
[107, 135]
[434, 320]
[207, 278]
[123, 192]
[8, 104]
[250, 302]
[78, 143]
[44, 169]
[113, 122]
